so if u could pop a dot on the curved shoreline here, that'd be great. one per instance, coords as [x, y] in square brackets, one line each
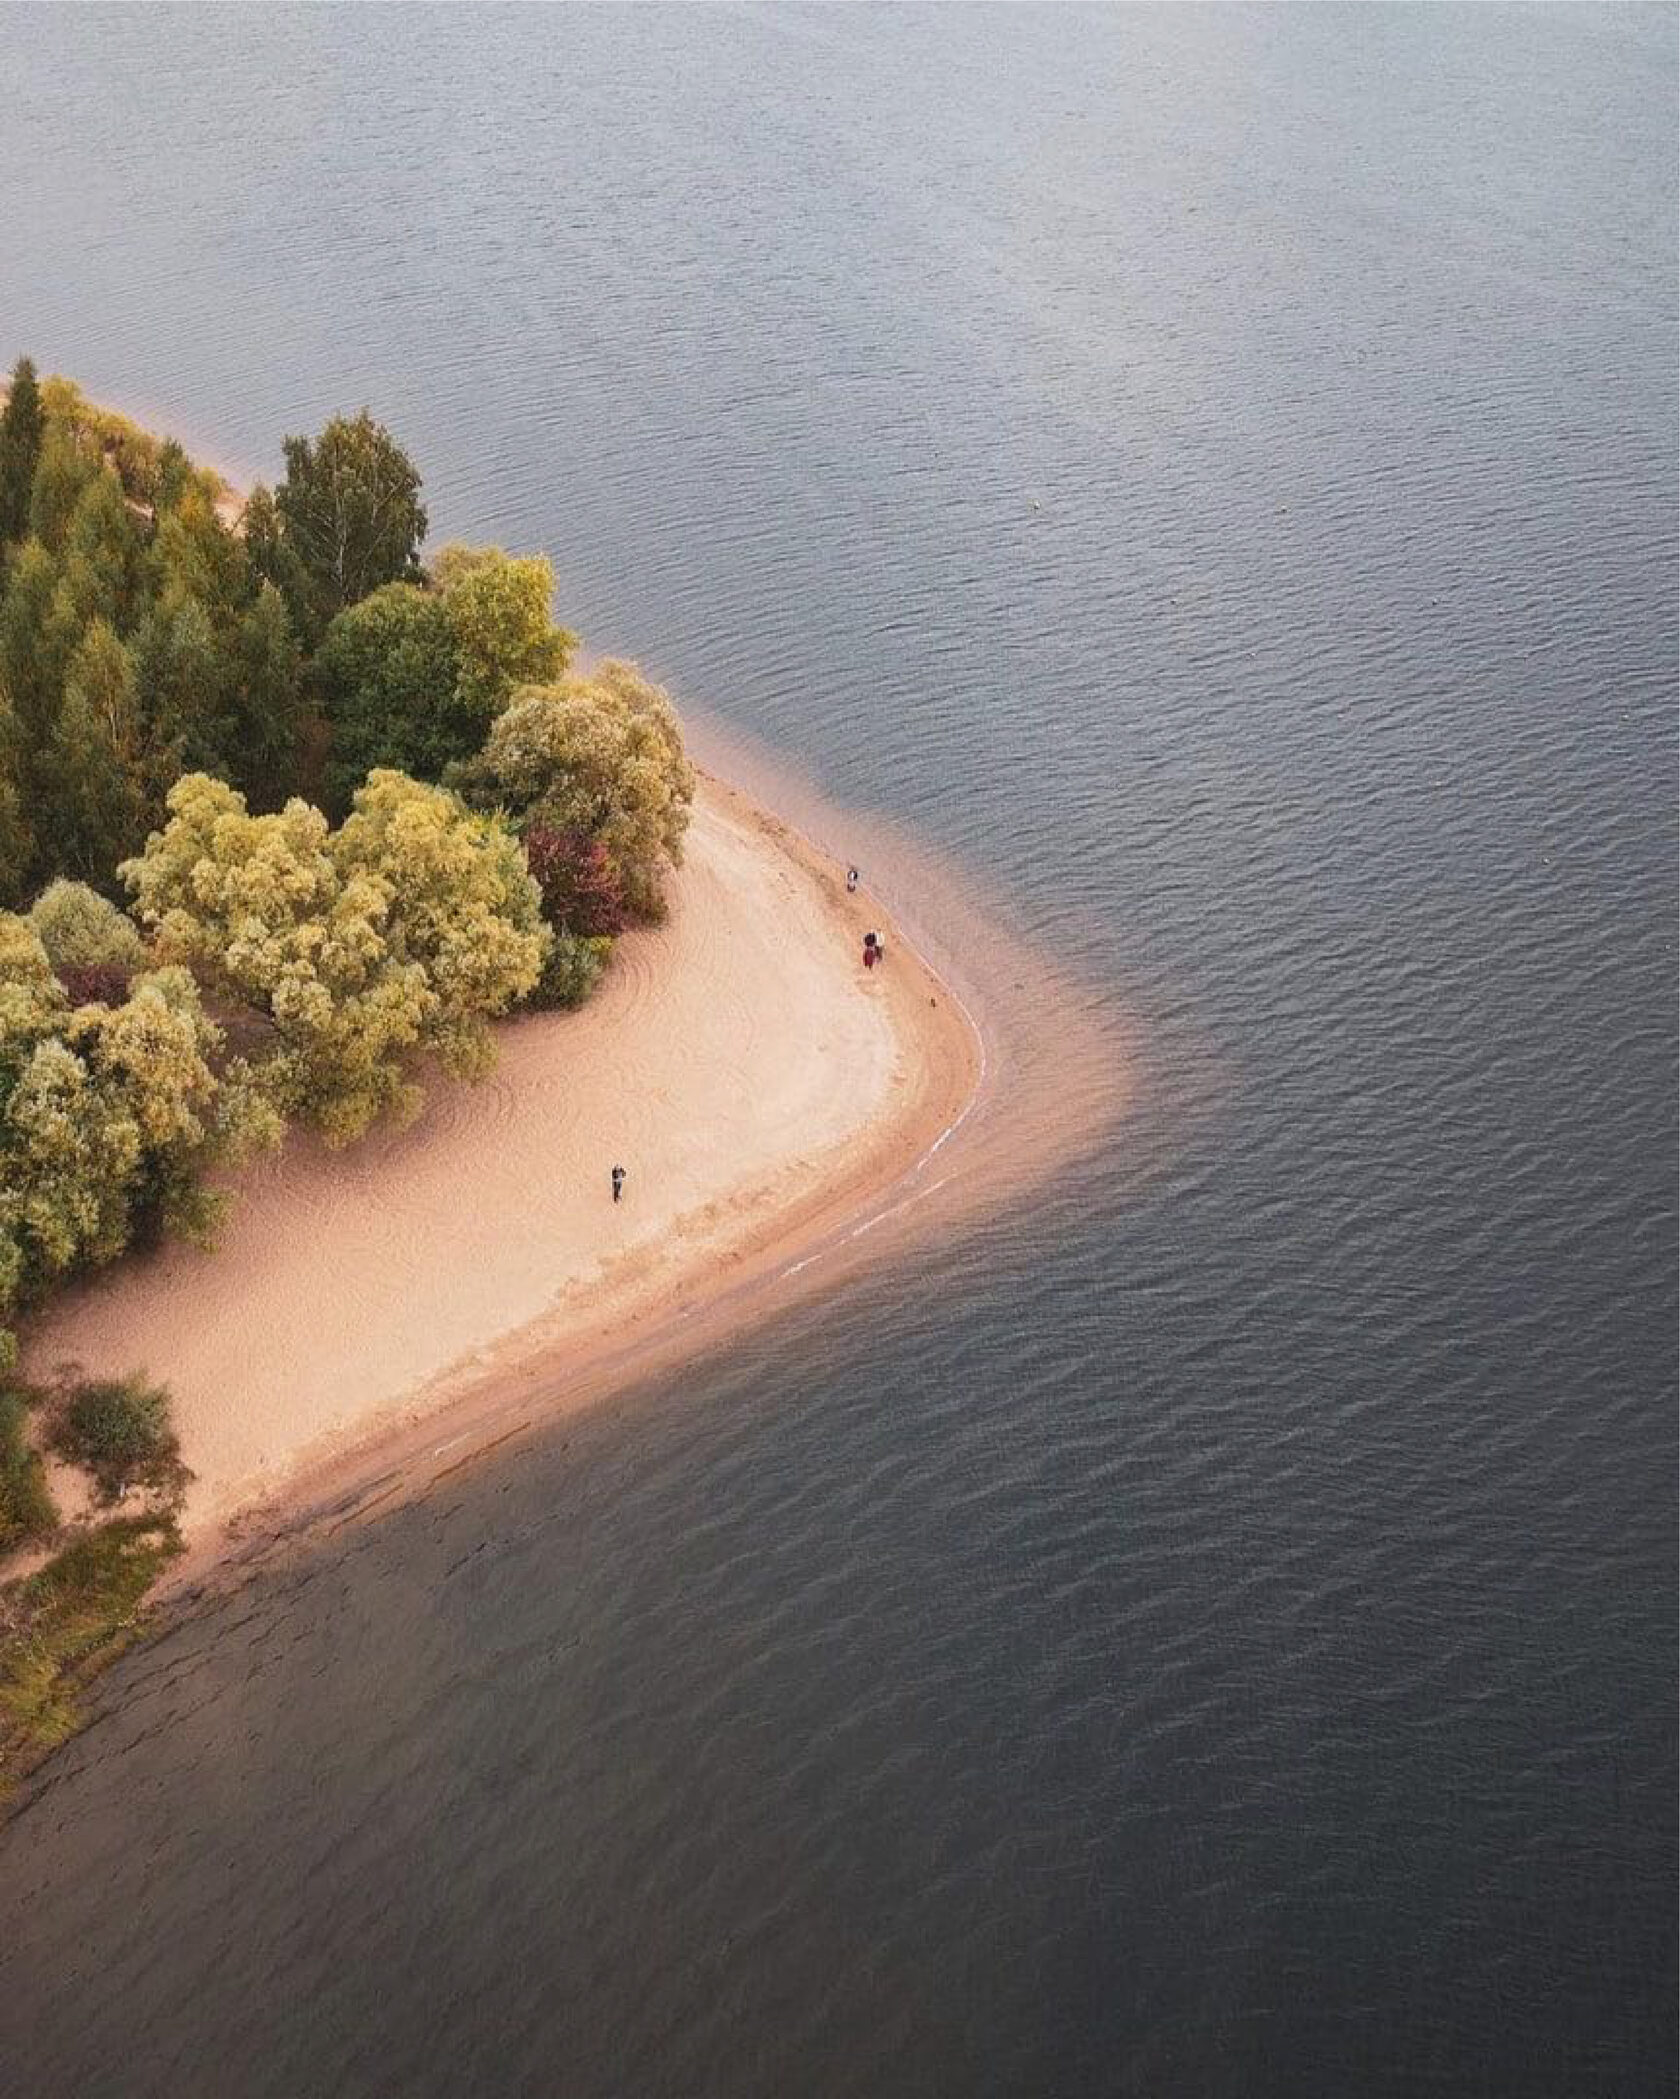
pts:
[1065, 1070]
[655, 1307]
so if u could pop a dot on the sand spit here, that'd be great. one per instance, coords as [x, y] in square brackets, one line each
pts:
[374, 1317]
[372, 1320]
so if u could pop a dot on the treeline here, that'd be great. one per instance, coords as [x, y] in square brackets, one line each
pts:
[283, 810]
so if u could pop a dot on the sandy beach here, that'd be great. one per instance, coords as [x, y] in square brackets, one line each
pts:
[763, 1092]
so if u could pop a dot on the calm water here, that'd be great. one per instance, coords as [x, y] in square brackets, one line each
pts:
[1213, 1633]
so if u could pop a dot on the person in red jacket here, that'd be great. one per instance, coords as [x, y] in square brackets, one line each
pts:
[873, 951]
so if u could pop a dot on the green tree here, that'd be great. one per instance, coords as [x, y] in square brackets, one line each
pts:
[574, 967]
[99, 789]
[62, 471]
[175, 476]
[269, 709]
[21, 426]
[273, 558]
[193, 554]
[43, 616]
[184, 685]
[17, 838]
[412, 678]
[500, 608]
[350, 508]
[257, 904]
[103, 547]
[31, 677]
[387, 676]
[600, 757]
[110, 1117]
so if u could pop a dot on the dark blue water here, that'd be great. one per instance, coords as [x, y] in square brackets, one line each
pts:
[1211, 1632]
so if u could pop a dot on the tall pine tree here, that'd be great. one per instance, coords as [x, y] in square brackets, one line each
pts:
[20, 444]
[101, 810]
[269, 703]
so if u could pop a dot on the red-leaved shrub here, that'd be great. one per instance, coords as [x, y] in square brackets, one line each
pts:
[581, 892]
[95, 983]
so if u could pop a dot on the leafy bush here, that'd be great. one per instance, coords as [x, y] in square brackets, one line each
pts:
[572, 970]
[80, 929]
[118, 1429]
[58, 1625]
[581, 891]
[26, 1507]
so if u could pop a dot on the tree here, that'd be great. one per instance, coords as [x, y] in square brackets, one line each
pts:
[183, 682]
[104, 437]
[601, 757]
[103, 549]
[268, 701]
[99, 794]
[386, 674]
[17, 839]
[43, 615]
[20, 445]
[80, 929]
[273, 558]
[258, 905]
[111, 1117]
[463, 907]
[29, 676]
[573, 969]
[194, 554]
[175, 476]
[351, 513]
[500, 609]
[404, 931]
[580, 889]
[412, 678]
[62, 471]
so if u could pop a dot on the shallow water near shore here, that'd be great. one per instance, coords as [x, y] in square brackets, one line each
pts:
[1208, 1630]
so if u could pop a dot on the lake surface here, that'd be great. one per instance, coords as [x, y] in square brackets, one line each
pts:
[1212, 1631]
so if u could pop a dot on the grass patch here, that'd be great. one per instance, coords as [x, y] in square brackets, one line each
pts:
[61, 1624]
[26, 1507]
[118, 1429]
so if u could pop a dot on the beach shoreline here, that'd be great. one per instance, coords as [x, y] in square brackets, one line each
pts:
[282, 1459]
[838, 1184]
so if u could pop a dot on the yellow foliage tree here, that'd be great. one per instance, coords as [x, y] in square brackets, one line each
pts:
[110, 1117]
[464, 908]
[406, 929]
[601, 757]
[498, 606]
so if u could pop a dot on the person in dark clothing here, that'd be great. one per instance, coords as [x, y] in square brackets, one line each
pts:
[873, 951]
[618, 1182]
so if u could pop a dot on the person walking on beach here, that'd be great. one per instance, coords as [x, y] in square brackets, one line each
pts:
[873, 951]
[618, 1182]
[851, 881]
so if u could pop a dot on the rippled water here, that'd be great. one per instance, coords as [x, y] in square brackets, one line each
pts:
[1212, 1632]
